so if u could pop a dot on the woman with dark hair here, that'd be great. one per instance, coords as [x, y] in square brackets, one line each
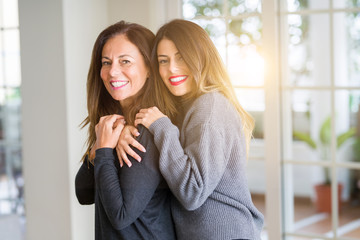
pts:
[130, 203]
[203, 148]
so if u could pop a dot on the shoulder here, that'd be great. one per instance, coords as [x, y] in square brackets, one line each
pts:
[147, 140]
[211, 107]
[150, 158]
[211, 102]
[144, 133]
[210, 98]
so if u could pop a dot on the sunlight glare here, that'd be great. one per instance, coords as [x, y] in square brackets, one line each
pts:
[246, 66]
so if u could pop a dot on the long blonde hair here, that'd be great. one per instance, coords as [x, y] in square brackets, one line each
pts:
[204, 63]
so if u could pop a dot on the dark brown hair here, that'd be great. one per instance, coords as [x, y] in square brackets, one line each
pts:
[99, 101]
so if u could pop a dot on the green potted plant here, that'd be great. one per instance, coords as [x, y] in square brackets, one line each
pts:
[355, 177]
[323, 191]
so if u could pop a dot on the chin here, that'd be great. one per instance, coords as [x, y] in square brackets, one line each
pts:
[177, 94]
[119, 98]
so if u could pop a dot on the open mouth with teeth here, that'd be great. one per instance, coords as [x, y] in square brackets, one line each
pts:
[118, 84]
[176, 80]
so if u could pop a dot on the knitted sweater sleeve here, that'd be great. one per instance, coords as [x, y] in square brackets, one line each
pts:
[125, 193]
[84, 183]
[193, 168]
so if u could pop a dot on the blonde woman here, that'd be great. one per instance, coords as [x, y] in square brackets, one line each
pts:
[203, 149]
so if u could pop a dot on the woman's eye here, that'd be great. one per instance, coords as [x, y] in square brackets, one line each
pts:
[105, 63]
[162, 61]
[125, 61]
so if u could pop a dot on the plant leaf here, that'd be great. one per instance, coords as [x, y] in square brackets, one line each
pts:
[356, 148]
[305, 138]
[341, 139]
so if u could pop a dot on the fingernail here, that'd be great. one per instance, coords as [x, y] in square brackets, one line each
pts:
[144, 150]
[138, 159]
[137, 133]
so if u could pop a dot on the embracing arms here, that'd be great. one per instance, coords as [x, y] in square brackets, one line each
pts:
[193, 165]
[84, 180]
[123, 193]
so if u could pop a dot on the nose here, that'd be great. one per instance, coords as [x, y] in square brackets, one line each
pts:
[114, 70]
[173, 66]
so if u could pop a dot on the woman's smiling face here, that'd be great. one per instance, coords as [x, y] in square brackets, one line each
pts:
[123, 70]
[173, 69]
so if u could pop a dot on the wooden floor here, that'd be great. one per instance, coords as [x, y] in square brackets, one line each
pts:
[308, 221]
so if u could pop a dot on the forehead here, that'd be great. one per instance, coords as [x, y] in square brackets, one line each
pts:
[166, 46]
[120, 45]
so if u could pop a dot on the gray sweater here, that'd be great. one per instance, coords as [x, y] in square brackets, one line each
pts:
[205, 167]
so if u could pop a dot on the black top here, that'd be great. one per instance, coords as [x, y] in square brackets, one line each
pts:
[130, 203]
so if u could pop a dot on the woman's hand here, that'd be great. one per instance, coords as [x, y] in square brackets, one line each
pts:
[147, 116]
[108, 131]
[123, 146]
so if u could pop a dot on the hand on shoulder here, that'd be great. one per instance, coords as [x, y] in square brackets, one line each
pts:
[147, 116]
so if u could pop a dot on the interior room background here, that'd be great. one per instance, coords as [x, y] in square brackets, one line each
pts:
[295, 65]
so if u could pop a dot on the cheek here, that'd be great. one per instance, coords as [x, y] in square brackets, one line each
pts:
[103, 74]
[191, 84]
[163, 74]
[137, 76]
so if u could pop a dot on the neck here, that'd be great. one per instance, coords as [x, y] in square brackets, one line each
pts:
[125, 106]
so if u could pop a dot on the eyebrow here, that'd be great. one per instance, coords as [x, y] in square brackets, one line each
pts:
[121, 56]
[125, 55]
[162, 55]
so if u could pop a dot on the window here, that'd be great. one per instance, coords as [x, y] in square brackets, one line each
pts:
[321, 83]
[235, 26]
[319, 92]
[12, 210]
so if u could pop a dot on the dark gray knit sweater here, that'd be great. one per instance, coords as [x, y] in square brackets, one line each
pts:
[205, 167]
[130, 203]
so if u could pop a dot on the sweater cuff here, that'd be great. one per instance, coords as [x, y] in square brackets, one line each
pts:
[161, 123]
[104, 153]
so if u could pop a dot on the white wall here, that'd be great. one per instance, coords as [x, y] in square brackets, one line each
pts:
[56, 39]
[82, 22]
[44, 120]
[149, 13]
